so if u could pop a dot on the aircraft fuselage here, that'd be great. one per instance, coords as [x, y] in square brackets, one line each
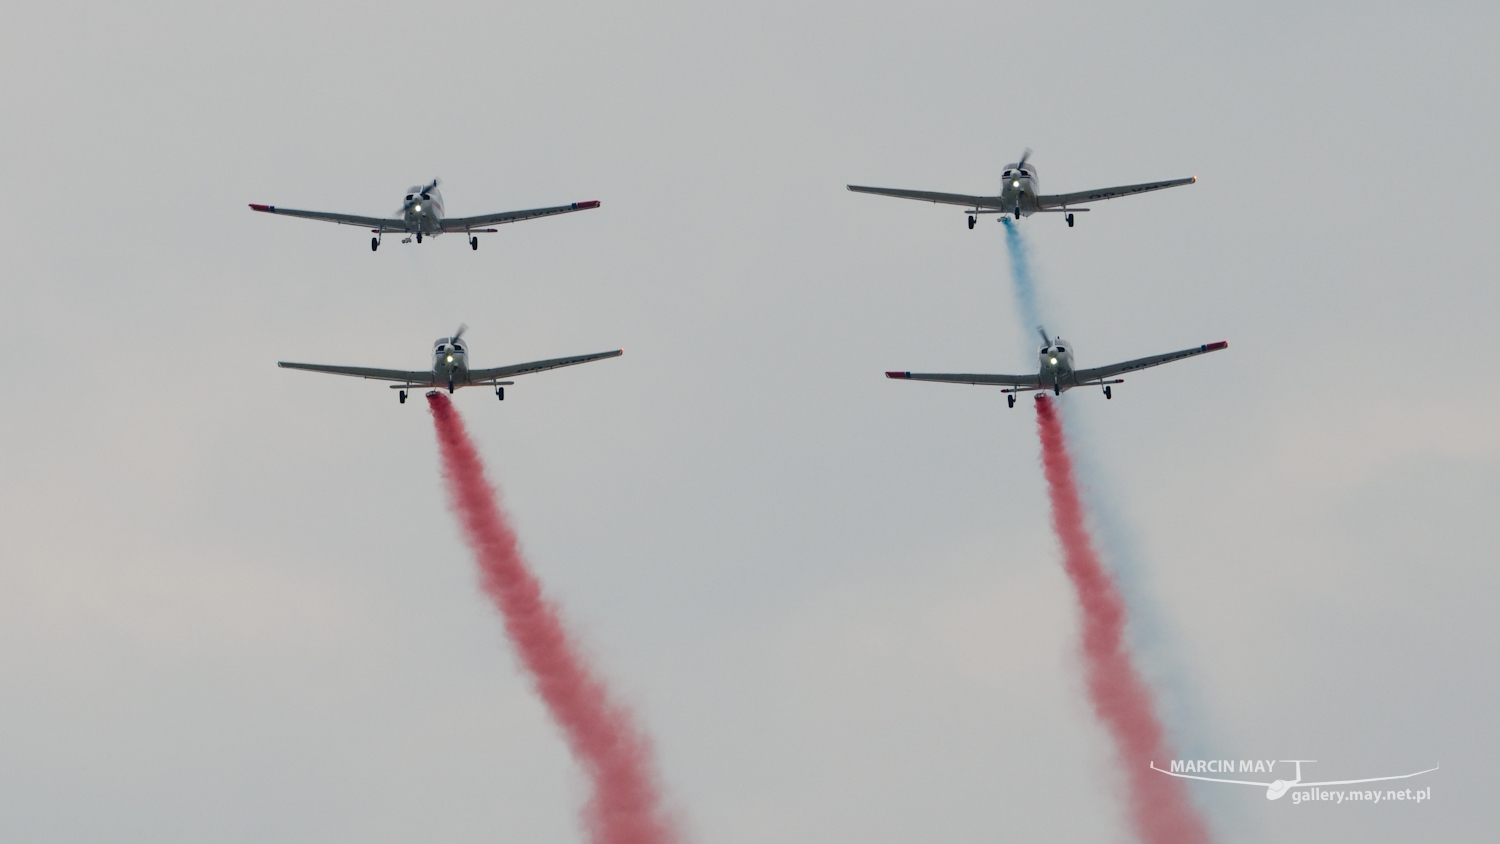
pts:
[423, 210]
[1056, 360]
[450, 362]
[1019, 188]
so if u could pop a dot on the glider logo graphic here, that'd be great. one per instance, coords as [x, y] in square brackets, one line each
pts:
[1190, 769]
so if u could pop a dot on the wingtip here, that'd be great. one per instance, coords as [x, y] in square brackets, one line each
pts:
[584, 206]
[898, 375]
[1214, 347]
[1195, 180]
[270, 209]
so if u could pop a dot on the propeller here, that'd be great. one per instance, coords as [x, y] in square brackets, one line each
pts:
[459, 333]
[422, 195]
[1025, 155]
[1042, 331]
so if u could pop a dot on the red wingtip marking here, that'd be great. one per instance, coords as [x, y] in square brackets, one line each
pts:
[1214, 347]
[898, 375]
[255, 207]
[592, 203]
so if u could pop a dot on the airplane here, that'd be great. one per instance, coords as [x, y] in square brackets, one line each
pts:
[422, 213]
[1277, 788]
[1019, 194]
[1057, 371]
[450, 367]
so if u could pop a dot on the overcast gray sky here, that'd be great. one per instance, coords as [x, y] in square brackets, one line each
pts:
[233, 607]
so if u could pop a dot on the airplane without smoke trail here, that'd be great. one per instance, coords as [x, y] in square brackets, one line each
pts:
[1057, 372]
[450, 368]
[422, 214]
[1019, 195]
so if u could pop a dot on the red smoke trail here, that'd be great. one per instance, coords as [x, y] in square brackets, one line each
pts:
[1159, 806]
[625, 807]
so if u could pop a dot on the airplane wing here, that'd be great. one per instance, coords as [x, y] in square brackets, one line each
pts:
[537, 366]
[423, 378]
[930, 196]
[1059, 200]
[377, 223]
[961, 378]
[458, 224]
[1089, 375]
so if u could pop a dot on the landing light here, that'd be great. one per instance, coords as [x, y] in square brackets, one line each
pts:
[416, 208]
[1016, 183]
[1054, 361]
[450, 359]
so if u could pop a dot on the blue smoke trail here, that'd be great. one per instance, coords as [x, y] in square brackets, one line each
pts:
[1149, 633]
[1020, 273]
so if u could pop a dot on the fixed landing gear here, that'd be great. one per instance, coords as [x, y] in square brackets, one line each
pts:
[1070, 220]
[972, 219]
[500, 393]
[1018, 212]
[1108, 394]
[406, 240]
[374, 243]
[450, 386]
[473, 243]
[403, 396]
[419, 237]
[1056, 389]
[1010, 400]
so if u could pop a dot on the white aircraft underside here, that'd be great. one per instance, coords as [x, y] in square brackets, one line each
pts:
[1020, 194]
[422, 214]
[450, 369]
[1057, 373]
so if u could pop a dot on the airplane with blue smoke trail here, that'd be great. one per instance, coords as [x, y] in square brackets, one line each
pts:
[1057, 372]
[1020, 194]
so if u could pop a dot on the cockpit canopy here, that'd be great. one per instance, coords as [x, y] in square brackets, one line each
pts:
[445, 345]
[1017, 171]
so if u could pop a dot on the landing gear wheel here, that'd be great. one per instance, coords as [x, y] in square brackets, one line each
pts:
[1056, 389]
[1018, 212]
[474, 243]
[374, 243]
[971, 221]
[403, 397]
[1010, 400]
[419, 237]
[450, 386]
[1108, 394]
[1070, 221]
[500, 393]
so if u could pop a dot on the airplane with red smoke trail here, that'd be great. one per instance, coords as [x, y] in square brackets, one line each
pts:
[450, 368]
[1057, 372]
[422, 213]
[1019, 194]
